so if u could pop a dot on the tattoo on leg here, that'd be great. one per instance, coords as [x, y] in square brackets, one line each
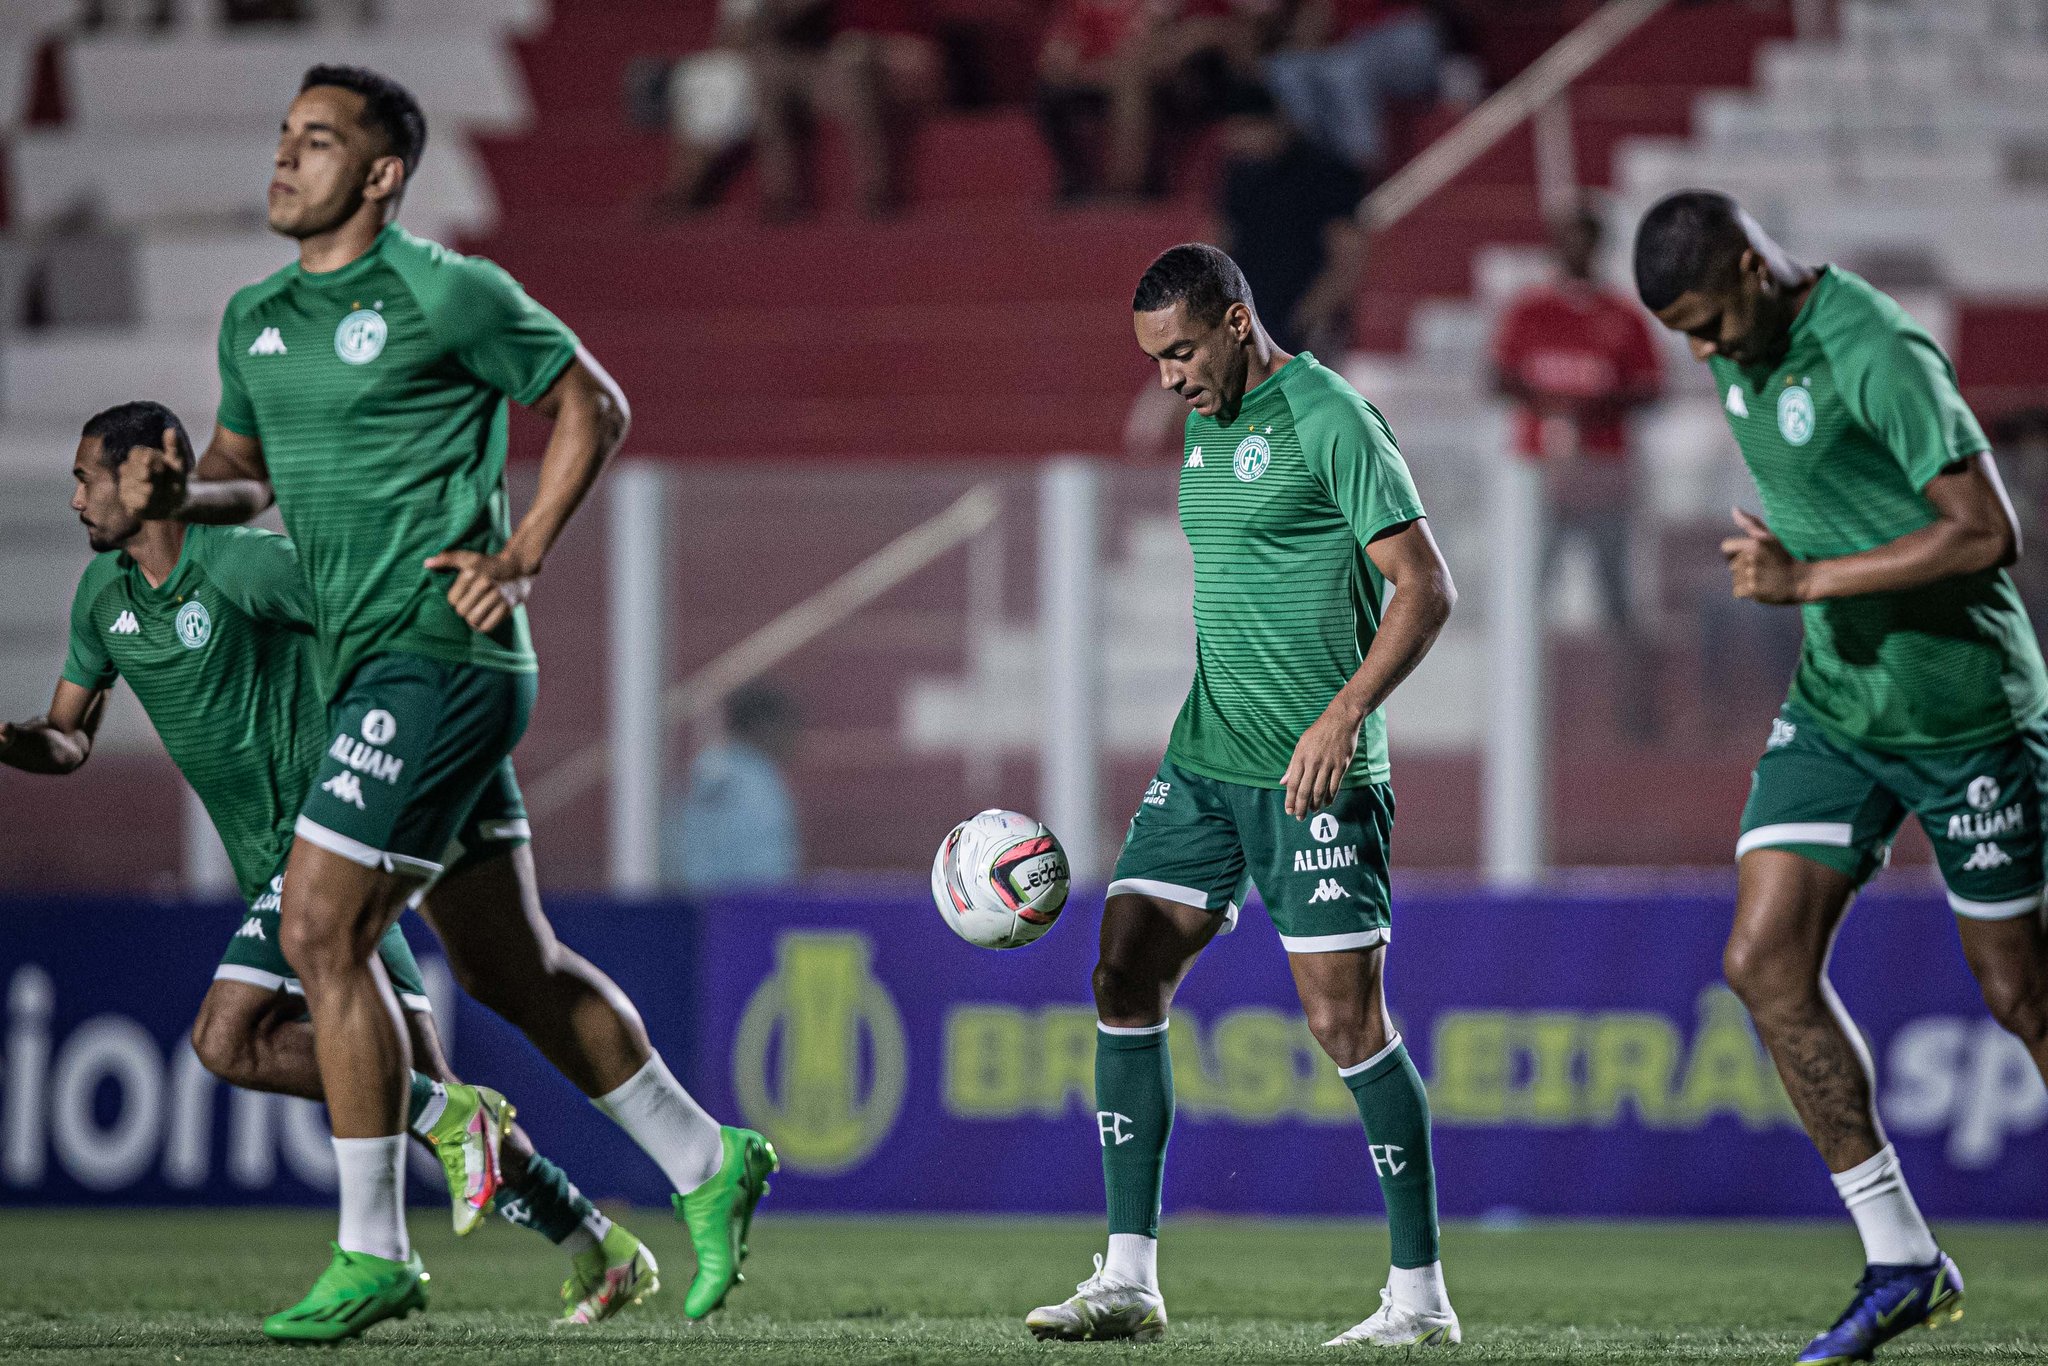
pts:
[1830, 1085]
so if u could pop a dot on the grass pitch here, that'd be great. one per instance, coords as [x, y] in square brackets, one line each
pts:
[173, 1286]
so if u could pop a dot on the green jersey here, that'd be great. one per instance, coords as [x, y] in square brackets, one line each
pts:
[221, 657]
[1278, 507]
[1843, 436]
[378, 392]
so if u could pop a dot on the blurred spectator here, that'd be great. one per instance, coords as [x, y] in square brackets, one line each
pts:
[1121, 73]
[710, 110]
[1577, 358]
[1344, 61]
[869, 65]
[1287, 212]
[735, 825]
[1289, 217]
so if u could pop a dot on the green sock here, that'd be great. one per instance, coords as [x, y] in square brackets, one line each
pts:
[1395, 1109]
[545, 1200]
[1134, 1115]
[426, 1093]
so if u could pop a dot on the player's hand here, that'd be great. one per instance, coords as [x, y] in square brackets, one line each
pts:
[153, 482]
[486, 587]
[1760, 567]
[1321, 759]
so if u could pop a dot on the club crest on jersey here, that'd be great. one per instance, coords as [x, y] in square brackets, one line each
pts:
[360, 338]
[1795, 415]
[1253, 455]
[195, 625]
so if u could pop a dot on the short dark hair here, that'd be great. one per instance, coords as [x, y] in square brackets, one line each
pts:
[1197, 274]
[1686, 241]
[386, 105]
[125, 426]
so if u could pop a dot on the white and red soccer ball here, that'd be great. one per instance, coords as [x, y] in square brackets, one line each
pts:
[1000, 879]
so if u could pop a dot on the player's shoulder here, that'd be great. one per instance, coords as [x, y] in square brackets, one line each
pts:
[1852, 316]
[251, 297]
[233, 546]
[1325, 404]
[101, 572]
[440, 273]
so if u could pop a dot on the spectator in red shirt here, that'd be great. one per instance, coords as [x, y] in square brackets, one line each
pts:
[871, 65]
[1344, 60]
[1578, 359]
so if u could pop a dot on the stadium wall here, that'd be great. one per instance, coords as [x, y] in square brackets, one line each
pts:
[1583, 1060]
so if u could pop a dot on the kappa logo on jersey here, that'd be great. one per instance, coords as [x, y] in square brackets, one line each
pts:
[195, 625]
[1111, 1125]
[379, 726]
[1783, 733]
[346, 787]
[1985, 856]
[1194, 459]
[252, 928]
[1316, 860]
[360, 338]
[1156, 792]
[1323, 827]
[366, 758]
[1737, 404]
[1253, 455]
[1328, 888]
[1983, 793]
[269, 342]
[125, 625]
[1795, 415]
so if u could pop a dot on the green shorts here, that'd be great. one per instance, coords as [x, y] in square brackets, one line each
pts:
[253, 955]
[418, 748]
[1840, 804]
[1201, 842]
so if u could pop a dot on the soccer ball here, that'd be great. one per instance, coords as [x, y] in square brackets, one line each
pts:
[1000, 879]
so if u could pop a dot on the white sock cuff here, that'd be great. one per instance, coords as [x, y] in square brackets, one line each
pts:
[1870, 1179]
[372, 1179]
[1374, 1061]
[651, 1073]
[1131, 1031]
[1133, 1259]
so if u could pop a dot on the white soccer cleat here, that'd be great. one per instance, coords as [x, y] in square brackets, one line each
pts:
[1396, 1326]
[1100, 1309]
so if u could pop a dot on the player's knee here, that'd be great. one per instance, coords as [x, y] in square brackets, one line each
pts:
[1124, 996]
[1348, 1034]
[1766, 972]
[2019, 1002]
[224, 1045]
[319, 944]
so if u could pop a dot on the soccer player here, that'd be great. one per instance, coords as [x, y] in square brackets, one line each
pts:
[212, 628]
[1920, 689]
[364, 387]
[1301, 513]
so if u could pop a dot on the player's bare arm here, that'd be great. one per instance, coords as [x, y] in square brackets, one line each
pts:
[60, 741]
[591, 416]
[1410, 560]
[1974, 529]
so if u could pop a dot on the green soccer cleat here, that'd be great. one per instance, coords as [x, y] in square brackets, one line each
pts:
[616, 1274]
[720, 1212]
[467, 1138]
[357, 1291]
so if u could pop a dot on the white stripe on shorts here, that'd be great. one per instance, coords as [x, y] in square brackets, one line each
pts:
[1333, 943]
[1836, 834]
[355, 851]
[1995, 910]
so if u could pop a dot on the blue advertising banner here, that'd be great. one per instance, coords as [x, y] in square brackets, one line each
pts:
[1582, 1058]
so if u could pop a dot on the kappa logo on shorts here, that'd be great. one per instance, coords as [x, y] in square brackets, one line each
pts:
[252, 928]
[1783, 733]
[1323, 827]
[346, 787]
[1328, 889]
[1156, 792]
[1986, 855]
